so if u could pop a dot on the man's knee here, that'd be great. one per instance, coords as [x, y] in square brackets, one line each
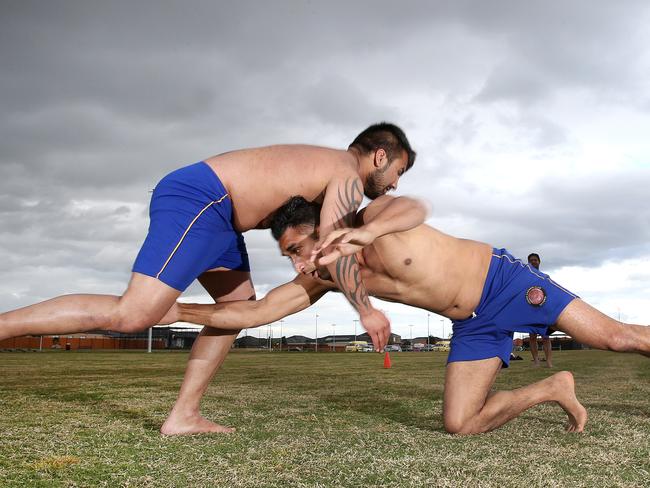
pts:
[459, 425]
[453, 426]
[619, 340]
[132, 323]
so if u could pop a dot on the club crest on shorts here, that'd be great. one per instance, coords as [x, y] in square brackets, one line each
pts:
[536, 296]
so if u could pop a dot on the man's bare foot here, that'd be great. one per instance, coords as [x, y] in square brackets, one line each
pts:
[565, 392]
[549, 365]
[195, 424]
[536, 364]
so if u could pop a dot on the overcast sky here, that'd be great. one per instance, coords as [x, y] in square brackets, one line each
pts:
[531, 121]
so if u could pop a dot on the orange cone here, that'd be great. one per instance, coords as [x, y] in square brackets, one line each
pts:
[387, 360]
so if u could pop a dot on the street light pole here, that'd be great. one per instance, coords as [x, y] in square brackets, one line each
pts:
[316, 350]
[281, 323]
[355, 328]
[334, 335]
[443, 328]
[428, 334]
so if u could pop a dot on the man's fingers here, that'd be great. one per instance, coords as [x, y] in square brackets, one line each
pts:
[330, 258]
[348, 237]
[375, 341]
[329, 239]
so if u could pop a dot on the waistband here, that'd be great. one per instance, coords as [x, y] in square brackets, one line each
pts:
[497, 259]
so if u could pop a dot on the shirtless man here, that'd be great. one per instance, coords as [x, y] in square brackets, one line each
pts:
[197, 215]
[486, 293]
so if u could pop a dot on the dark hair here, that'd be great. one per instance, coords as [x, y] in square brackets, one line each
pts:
[385, 136]
[295, 212]
[535, 255]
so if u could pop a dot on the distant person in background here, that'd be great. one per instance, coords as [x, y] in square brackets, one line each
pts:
[534, 261]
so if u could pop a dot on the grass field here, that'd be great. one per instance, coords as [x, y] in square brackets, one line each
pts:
[304, 419]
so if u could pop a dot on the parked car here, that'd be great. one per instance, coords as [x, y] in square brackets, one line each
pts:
[393, 348]
[428, 347]
[441, 347]
[368, 348]
[356, 346]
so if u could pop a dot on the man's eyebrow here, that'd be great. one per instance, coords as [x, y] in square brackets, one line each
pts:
[291, 247]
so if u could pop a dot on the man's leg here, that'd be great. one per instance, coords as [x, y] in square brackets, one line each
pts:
[208, 353]
[548, 351]
[470, 407]
[589, 326]
[145, 301]
[532, 339]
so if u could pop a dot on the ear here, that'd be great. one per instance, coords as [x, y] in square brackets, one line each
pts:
[381, 158]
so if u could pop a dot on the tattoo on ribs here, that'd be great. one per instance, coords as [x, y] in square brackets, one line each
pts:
[348, 200]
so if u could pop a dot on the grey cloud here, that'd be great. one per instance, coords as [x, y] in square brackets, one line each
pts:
[573, 222]
[579, 45]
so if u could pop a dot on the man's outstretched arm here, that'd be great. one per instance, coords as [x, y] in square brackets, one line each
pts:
[343, 197]
[276, 304]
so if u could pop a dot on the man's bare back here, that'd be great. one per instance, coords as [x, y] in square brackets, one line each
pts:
[260, 180]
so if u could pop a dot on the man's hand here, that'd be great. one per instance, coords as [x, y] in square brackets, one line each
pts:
[342, 242]
[378, 328]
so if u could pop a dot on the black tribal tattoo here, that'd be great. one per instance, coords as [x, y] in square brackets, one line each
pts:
[348, 279]
[348, 200]
[347, 276]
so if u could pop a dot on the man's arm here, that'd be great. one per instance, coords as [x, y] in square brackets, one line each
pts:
[277, 304]
[385, 215]
[343, 197]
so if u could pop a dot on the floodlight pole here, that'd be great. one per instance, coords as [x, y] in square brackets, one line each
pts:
[150, 339]
[281, 322]
[316, 349]
[334, 335]
[356, 321]
[428, 334]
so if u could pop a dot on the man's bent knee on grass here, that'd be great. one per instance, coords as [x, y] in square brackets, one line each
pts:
[470, 407]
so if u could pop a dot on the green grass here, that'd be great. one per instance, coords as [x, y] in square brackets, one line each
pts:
[304, 419]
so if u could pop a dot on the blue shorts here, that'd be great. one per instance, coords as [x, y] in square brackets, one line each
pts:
[515, 298]
[190, 229]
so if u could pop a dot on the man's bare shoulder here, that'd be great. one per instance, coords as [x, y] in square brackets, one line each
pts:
[372, 209]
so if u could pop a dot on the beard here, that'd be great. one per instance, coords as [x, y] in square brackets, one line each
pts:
[375, 185]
